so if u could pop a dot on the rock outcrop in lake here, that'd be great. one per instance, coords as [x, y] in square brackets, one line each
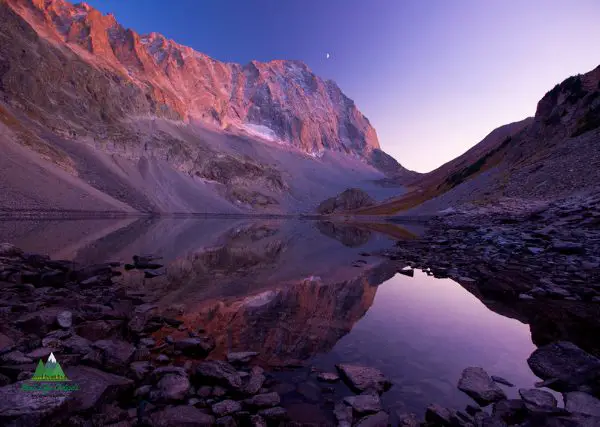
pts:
[349, 200]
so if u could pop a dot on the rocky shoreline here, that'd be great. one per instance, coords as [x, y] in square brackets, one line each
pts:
[540, 266]
[114, 343]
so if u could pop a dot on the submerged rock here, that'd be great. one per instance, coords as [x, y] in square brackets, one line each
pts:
[364, 403]
[363, 378]
[563, 361]
[478, 385]
[380, 419]
[501, 380]
[329, 377]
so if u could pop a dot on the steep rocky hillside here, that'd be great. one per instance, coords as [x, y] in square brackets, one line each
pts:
[553, 155]
[160, 127]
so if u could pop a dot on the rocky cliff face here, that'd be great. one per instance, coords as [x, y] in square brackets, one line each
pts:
[149, 74]
[140, 123]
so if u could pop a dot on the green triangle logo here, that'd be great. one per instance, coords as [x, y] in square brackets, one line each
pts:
[51, 371]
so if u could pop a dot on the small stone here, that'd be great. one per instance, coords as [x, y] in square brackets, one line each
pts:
[408, 420]
[204, 391]
[219, 372]
[328, 377]
[162, 358]
[241, 357]
[364, 403]
[501, 380]
[265, 400]
[537, 397]
[364, 378]
[226, 407]
[438, 414]
[15, 358]
[142, 391]
[148, 342]
[274, 414]
[512, 411]
[174, 387]
[9, 251]
[526, 297]
[343, 414]
[380, 419]
[472, 410]
[228, 421]
[255, 383]
[181, 416]
[478, 385]
[257, 421]
[65, 319]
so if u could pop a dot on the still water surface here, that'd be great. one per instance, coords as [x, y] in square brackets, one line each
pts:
[305, 292]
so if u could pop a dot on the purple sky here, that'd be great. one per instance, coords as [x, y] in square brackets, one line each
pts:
[433, 76]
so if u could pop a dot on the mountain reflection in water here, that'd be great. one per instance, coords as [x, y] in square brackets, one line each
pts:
[304, 293]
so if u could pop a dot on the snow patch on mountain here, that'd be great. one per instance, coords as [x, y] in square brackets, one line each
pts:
[260, 131]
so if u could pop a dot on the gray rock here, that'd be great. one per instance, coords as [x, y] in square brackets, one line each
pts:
[380, 419]
[116, 354]
[512, 411]
[142, 391]
[329, 377]
[257, 421]
[29, 408]
[537, 397]
[228, 421]
[141, 370]
[364, 403]
[362, 378]
[501, 380]
[265, 400]
[437, 414]
[241, 357]
[174, 387]
[526, 297]
[39, 353]
[162, 358]
[255, 383]
[195, 347]
[408, 420]
[77, 345]
[9, 251]
[95, 387]
[478, 385]
[219, 372]
[15, 358]
[274, 414]
[565, 362]
[350, 199]
[343, 415]
[568, 248]
[64, 319]
[181, 416]
[226, 407]
[148, 342]
[582, 403]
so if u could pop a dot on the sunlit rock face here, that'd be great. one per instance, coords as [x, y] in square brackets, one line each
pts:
[149, 74]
